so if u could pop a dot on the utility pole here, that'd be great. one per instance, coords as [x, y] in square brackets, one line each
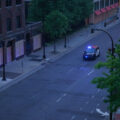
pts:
[3, 74]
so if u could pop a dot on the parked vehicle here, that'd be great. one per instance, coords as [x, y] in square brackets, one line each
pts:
[91, 52]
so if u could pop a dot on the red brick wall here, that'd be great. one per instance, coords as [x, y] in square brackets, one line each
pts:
[11, 12]
[103, 16]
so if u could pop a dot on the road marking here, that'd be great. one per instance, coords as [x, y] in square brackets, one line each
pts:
[93, 96]
[101, 112]
[59, 99]
[87, 102]
[91, 72]
[73, 117]
[80, 109]
[64, 94]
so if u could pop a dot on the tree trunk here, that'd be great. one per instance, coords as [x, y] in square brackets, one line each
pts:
[43, 44]
[54, 46]
[65, 42]
[110, 115]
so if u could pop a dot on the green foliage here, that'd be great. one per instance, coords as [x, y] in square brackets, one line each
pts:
[55, 24]
[75, 10]
[111, 80]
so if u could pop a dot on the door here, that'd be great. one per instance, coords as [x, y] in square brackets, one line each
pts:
[28, 44]
[10, 51]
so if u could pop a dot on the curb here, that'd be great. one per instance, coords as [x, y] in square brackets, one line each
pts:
[21, 77]
[51, 59]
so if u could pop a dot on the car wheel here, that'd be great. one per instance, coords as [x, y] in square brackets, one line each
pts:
[95, 56]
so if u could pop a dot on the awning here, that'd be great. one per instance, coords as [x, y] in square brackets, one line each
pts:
[113, 6]
[103, 10]
[108, 8]
[97, 12]
[116, 4]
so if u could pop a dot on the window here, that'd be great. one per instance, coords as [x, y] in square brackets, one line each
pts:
[107, 3]
[18, 2]
[102, 4]
[8, 2]
[116, 1]
[96, 5]
[18, 21]
[0, 25]
[9, 24]
[0, 3]
[111, 2]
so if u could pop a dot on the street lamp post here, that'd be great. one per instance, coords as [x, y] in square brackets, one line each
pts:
[43, 40]
[3, 74]
[112, 51]
[96, 29]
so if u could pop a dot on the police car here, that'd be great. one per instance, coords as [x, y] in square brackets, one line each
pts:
[91, 52]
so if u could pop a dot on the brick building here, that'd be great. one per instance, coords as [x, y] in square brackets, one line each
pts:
[19, 38]
[104, 9]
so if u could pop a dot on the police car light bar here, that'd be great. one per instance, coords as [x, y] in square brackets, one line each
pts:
[89, 47]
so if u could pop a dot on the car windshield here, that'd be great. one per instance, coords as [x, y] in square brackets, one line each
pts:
[91, 50]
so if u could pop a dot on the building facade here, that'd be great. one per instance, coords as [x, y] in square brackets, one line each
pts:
[104, 9]
[19, 38]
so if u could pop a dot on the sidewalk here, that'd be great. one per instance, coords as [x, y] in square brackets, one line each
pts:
[20, 69]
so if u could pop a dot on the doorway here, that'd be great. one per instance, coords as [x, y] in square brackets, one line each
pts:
[28, 44]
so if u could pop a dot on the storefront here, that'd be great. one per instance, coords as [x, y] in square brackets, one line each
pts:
[37, 43]
[19, 48]
[103, 10]
[1, 55]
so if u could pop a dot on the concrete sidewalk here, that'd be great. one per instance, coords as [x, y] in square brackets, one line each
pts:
[20, 69]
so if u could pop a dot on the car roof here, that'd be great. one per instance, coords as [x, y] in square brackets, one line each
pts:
[92, 46]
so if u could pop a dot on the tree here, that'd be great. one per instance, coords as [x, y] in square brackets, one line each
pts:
[39, 9]
[56, 25]
[110, 81]
[87, 8]
[75, 10]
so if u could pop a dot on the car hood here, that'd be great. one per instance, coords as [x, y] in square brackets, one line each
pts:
[89, 53]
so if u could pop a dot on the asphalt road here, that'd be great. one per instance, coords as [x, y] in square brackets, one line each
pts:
[62, 90]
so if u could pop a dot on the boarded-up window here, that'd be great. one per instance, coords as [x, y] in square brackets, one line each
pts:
[37, 42]
[1, 56]
[19, 48]
[9, 54]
